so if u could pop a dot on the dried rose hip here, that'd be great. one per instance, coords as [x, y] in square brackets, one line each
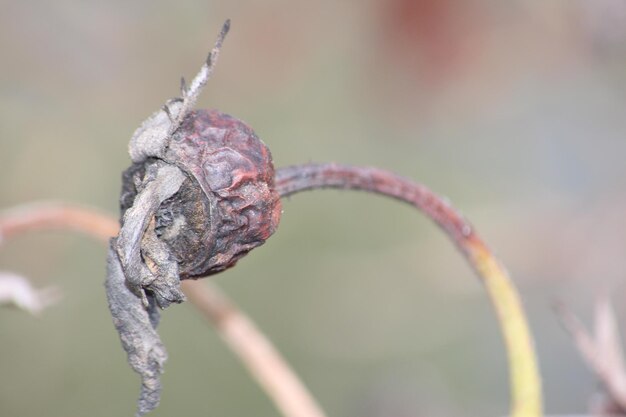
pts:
[199, 195]
[226, 204]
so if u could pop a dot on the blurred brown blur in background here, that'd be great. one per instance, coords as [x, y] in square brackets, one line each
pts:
[514, 110]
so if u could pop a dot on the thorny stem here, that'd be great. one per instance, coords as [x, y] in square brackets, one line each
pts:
[526, 399]
[255, 351]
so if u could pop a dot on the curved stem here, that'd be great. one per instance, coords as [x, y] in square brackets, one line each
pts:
[526, 400]
[254, 350]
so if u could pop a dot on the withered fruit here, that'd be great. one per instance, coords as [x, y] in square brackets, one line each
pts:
[226, 205]
[198, 196]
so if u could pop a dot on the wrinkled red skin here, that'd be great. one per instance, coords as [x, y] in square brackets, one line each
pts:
[235, 171]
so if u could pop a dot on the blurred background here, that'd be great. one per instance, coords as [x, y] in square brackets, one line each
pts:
[514, 110]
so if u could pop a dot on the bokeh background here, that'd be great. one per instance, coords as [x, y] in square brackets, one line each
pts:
[514, 110]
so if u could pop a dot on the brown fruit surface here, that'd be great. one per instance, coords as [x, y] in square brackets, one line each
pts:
[229, 205]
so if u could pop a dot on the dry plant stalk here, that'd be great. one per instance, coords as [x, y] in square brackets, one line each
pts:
[252, 347]
[601, 351]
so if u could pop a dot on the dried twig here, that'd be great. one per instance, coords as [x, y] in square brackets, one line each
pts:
[253, 348]
[603, 351]
[525, 379]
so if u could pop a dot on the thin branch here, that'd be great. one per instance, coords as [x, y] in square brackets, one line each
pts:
[56, 216]
[526, 395]
[254, 349]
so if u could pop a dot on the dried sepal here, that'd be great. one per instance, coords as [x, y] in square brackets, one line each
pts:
[145, 262]
[136, 325]
[190, 94]
[151, 138]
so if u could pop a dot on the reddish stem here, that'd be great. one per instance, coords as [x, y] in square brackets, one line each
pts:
[58, 216]
[293, 179]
